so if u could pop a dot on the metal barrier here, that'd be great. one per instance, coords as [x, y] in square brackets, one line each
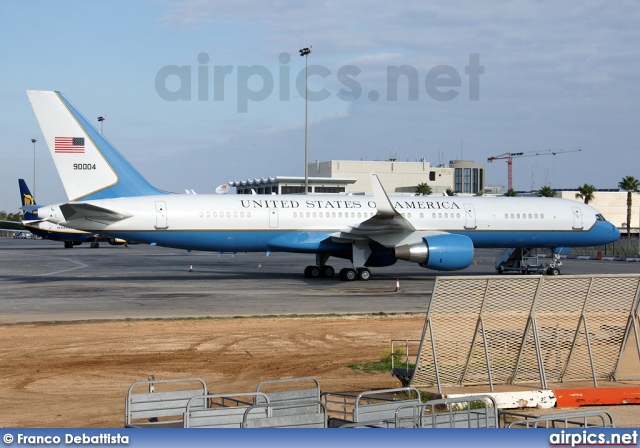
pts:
[280, 394]
[164, 407]
[369, 406]
[501, 329]
[479, 411]
[577, 419]
[295, 415]
[213, 411]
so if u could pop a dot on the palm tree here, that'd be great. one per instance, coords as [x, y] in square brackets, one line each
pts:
[547, 192]
[511, 193]
[631, 185]
[586, 193]
[423, 189]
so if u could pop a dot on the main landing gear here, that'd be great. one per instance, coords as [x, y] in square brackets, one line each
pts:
[346, 274]
[361, 253]
[349, 274]
[319, 271]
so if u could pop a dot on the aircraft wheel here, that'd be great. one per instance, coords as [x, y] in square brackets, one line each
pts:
[314, 271]
[348, 274]
[554, 271]
[68, 245]
[500, 271]
[364, 274]
[328, 271]
[307, 271]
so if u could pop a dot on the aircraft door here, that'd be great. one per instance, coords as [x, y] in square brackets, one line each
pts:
[273, 218]
[577, 218]
[161, 215]
[469, 216]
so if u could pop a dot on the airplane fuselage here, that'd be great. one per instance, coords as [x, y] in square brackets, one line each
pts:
[298, 223]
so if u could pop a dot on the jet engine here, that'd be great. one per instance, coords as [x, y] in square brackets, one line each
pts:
[444, 252]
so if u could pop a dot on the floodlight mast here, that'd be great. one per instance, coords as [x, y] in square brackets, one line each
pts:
[305, 52]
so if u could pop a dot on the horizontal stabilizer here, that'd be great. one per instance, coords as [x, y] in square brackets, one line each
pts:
[72, 212]
[29, 208]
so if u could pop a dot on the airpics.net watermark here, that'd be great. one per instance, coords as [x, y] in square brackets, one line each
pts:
[256, 83]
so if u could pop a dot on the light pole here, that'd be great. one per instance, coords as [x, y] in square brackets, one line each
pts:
[34, 140]
[305, 52]
[101, 119]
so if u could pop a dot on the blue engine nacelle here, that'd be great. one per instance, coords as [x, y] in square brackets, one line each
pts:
[444, 252]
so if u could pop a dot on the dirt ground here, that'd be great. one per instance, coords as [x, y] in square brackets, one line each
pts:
[78, 374]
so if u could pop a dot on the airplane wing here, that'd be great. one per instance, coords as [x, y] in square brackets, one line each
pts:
[16, 225]
[74, 211]
[387, 226]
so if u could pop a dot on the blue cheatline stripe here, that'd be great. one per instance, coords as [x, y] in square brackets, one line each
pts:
[129, 181]
[313, 242]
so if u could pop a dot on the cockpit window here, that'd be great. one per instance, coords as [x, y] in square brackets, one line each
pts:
[599, 217]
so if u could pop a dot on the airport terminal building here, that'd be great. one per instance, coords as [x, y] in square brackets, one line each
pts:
[352, 176]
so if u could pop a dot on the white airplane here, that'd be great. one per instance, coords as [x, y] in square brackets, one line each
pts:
[108, 196]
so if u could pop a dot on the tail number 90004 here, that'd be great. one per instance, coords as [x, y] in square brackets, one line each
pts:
[84, 166]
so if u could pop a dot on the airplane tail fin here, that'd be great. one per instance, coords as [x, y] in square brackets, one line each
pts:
[28, 201]
[88, 165]
[25, 195]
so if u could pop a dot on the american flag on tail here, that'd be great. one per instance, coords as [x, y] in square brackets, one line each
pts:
[69, 145]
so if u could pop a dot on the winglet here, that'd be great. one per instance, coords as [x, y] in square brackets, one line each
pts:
[383, 203]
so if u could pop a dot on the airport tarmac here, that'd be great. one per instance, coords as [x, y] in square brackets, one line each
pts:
[53, 375]
[42, 281]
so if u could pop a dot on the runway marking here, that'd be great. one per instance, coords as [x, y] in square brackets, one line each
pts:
[80, 266]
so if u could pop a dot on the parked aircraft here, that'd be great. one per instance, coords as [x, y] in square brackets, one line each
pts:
[52, 231]
[107, 195]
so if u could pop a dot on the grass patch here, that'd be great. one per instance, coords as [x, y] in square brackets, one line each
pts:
[384, 363]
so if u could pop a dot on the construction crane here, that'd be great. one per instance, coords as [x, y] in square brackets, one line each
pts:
[508, 156]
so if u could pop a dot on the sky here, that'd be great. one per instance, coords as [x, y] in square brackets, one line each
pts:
[199, 93]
